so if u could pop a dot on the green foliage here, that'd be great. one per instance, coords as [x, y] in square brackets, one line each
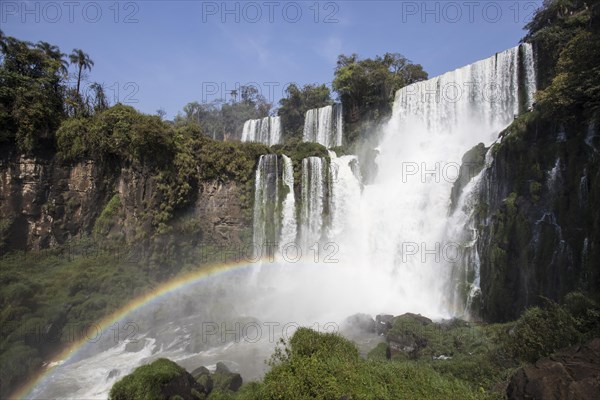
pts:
[31, 102]
[327, 366]
[541, 331]
[575, 90]
[106, 219]
[367, 87]
[223, 120]
[296, 103]
[565, 34]
[58, 289]
[147, 381]
[119, 132]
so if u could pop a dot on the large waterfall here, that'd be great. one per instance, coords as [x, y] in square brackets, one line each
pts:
[433, 124]
[324, 125]
[389, 246]
[266, 130]
[399, 224]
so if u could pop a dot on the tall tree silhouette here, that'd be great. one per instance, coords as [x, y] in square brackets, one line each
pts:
[83, 62]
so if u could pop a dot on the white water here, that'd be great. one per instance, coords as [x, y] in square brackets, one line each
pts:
[266, 130]
[313, 199]
[344, 198]
[324, 125]
[389, 234]
[266, 201]
[288, 223]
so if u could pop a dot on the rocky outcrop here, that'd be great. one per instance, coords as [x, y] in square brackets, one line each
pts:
[45, 203]
[538, 226]
[162, 379]
[572, 373]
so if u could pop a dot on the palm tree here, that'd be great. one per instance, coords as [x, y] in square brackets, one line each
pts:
[83, 62]
[54, 53]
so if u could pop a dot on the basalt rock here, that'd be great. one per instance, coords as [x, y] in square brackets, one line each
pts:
[571, 373]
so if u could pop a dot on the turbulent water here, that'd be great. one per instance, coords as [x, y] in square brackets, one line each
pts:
[266, 130]
[324, 125]
[389, 246]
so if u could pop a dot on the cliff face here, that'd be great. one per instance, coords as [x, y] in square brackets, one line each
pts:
[538, 217]
[45, 203]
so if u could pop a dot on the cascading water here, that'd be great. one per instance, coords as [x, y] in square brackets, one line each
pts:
[288, 214]
[433, 124]
[266, 130]
[344, 197]
[390, 234]
[266, 203]
[324, 125]
[313, 199]
[530, 74]
[464, 286]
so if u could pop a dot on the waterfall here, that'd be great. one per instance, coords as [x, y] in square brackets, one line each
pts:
[266, 204]
[313, 199]
[462, 235]
[324, 125]
[345, 192]
[461, 228]
[288, 213]
[530, 74]
[398, 247]
[266, 130]
[405, 222]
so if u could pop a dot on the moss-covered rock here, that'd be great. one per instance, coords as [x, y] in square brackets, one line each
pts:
[162, 379]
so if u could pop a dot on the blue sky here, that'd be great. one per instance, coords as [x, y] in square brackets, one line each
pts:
[164, 54]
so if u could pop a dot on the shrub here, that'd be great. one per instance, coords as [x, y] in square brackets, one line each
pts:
[541, 331]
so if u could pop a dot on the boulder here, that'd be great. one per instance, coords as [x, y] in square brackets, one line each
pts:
[360, 323]
[161, 379]
[383, 323]
[571, 373]
[203, 377]
[224, 379]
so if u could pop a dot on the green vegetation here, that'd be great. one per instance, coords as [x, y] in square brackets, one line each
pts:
[149, 382]
[296, 103]
[367, 87]
[222, 120]
[31, 94]
[567, 39]
[49, 299]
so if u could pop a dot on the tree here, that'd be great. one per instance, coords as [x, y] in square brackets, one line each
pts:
[161, 113]
[100, 101]
[297, 102]
[367, 87]
[83, 62]
[54, 53]
[31, 96]
[221, 120]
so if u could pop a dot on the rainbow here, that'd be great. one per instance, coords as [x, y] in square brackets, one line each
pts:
[149, 297]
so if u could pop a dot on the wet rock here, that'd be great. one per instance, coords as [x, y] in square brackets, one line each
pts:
[571, 373]
[203, 377]
[360, 323]
[224, 379]
[162, 379]
[135, 346]
[383, 323]
[113, 373]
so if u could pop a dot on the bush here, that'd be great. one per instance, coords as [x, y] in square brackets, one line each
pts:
[147, 381]
[540, 331]
[327, 366]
